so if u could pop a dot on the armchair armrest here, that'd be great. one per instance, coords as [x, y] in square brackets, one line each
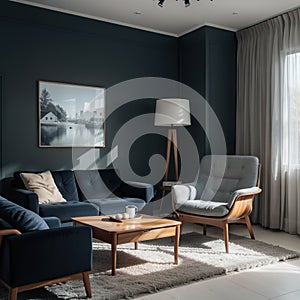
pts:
[239, 194]
[182, 193]
[134, 189]
[10, 231]
[26, 199]
[57, 252]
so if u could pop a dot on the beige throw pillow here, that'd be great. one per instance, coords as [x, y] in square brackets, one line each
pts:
[44, 186]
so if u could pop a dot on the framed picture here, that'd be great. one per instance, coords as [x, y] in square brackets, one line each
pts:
[71, 115]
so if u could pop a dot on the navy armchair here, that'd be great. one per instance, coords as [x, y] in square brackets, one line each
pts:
[31, 259]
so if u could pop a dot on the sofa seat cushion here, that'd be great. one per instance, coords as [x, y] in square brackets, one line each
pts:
[110, 206]
[204, 208]
[19, 217]
[52, 222]
[66, 210]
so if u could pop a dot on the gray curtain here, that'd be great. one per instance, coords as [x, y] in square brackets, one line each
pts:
[261, 61]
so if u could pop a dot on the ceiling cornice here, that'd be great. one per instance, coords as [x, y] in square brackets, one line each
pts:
[71, 12]
[207, 24]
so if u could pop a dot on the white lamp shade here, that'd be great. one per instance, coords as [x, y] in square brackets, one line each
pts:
[172, 112]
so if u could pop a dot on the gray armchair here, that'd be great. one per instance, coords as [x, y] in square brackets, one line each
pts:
[223, 193]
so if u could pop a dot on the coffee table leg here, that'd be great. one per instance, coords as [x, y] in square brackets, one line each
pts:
[114, 255]
[136, 247]
[176, 244]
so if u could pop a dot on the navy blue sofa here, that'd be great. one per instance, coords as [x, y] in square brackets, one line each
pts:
[88, 193]
[35, 252]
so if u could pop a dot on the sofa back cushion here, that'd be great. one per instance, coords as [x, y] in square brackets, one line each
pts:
[18, 182]
[214, 184]
[44, 186]
[20, 218]
[97, 184]
[65, 182]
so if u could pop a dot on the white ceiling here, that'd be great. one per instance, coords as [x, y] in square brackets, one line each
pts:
[174, 18]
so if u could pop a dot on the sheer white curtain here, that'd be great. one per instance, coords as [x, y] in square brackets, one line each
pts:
[268, 115]
[290, 120]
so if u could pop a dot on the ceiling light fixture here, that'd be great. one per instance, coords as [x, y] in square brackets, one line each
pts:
[161, 3]
[186, 2]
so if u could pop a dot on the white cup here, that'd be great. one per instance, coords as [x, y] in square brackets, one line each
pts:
[131, 211]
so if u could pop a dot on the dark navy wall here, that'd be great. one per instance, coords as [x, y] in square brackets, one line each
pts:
[192, 70]
[221, 80]
[208, 65]
[1, 125]
[38, 44]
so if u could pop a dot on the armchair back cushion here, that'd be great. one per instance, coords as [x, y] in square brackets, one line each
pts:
[20, 218]
[4, 225]
[240, 172]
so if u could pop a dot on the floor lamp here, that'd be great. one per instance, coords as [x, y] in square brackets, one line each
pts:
[172, 112]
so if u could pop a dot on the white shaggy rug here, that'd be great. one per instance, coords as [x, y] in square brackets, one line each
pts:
[151, 268]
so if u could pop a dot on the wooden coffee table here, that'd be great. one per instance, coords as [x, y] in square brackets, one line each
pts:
[131, 231]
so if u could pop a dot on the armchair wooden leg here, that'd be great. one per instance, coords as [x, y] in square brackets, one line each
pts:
[249, 226]
[87, 285]
[13, 294]
[226, 237]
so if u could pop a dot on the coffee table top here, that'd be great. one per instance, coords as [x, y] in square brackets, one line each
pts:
[130, 225]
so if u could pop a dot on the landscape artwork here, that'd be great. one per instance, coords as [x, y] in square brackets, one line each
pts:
[71, 115]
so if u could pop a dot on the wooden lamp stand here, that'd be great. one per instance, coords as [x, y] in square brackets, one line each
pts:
[172, 139]
[172, 112]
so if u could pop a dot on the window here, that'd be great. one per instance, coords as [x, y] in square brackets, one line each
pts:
[291, 111]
